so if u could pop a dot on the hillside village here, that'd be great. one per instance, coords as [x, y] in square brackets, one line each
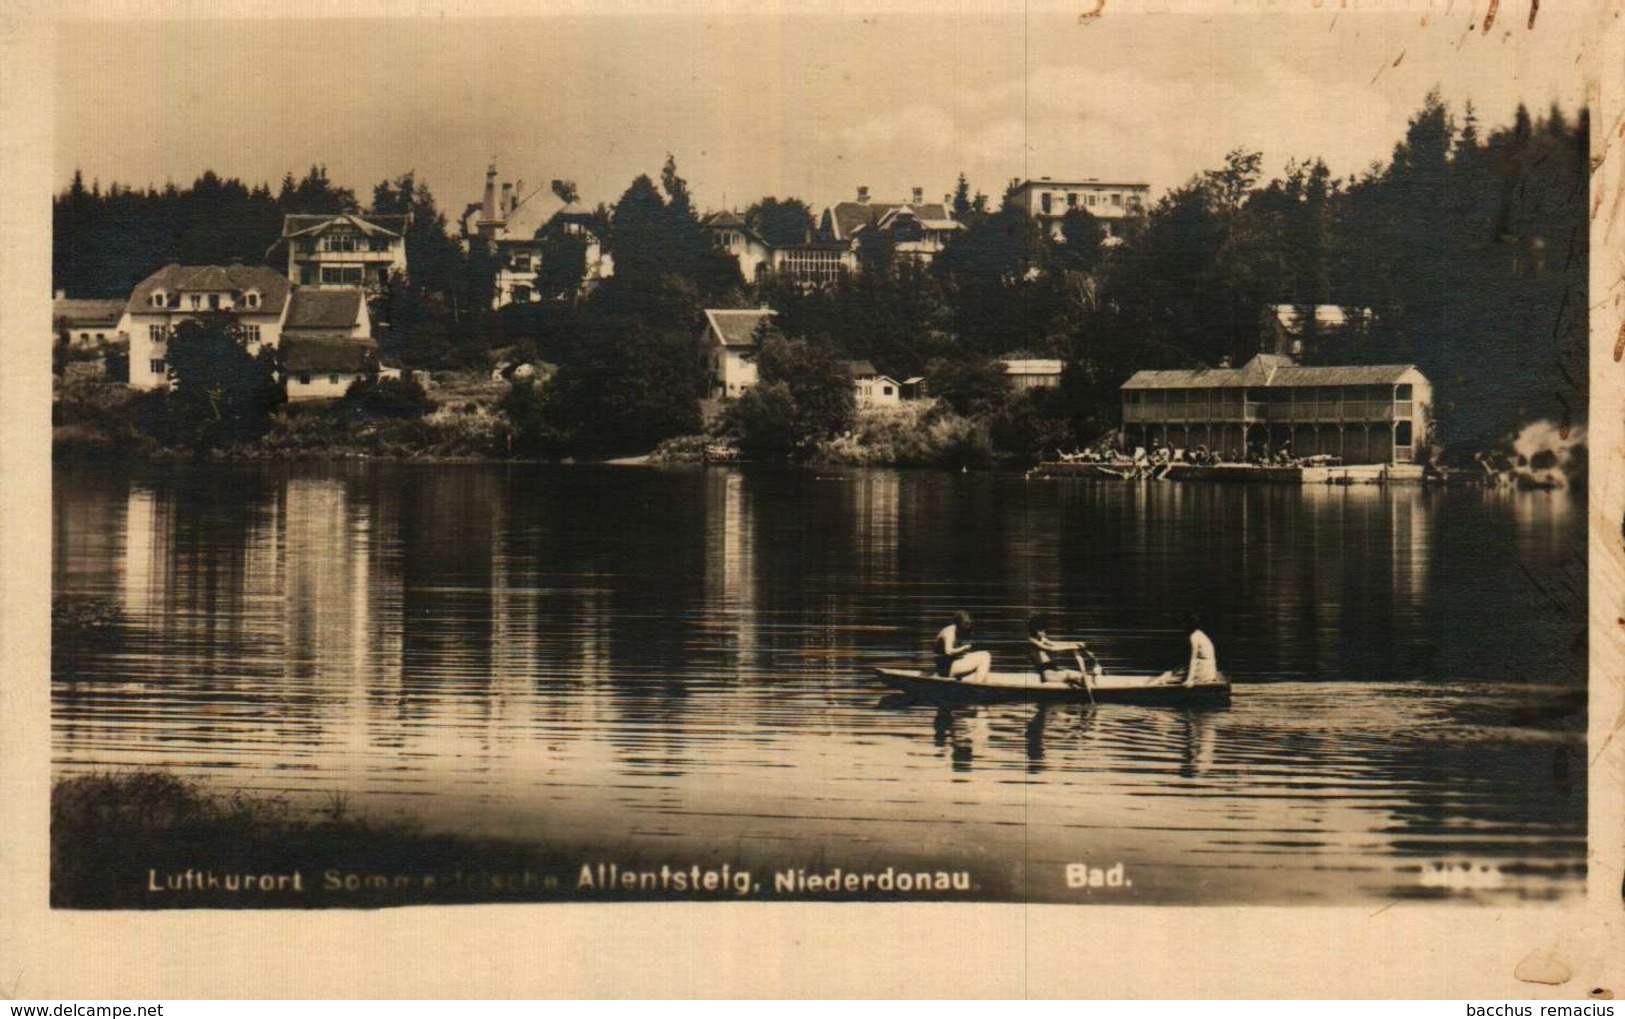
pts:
[908, 327]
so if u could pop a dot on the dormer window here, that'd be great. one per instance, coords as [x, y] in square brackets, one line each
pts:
[157, 298]
[252, 299]
[197, 301]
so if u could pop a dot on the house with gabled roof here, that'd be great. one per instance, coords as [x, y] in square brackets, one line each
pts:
[514, 224]
[870, 388]
[323, 334]
[344, 250]
[253, 295]
[728, 346]
[916, 229]
[85, 323]
[326, 343]
[729, 231]
[1361, 414]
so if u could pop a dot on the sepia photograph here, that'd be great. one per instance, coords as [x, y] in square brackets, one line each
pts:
[1081, 457]
[985, 479]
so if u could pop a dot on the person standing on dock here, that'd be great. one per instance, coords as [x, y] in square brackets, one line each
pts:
[956, 660]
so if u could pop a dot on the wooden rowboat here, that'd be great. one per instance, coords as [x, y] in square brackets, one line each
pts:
[1165, 689]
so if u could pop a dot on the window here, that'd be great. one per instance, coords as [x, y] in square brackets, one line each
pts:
[1117, 199]
[1071, 200]
[157, 365]
[157, 298]
[1044, 200]
[307, 245]
[380, 244]
[333, 379]
[1402, 391]
[156, 334]
[304, 378]
[521, 293]
[214, 302]
[252, 299]
[885, 390]
[101, 337]
[197, 301]
[341, 240]
[1402, 433]
[521, 262]
[307, 274]
[1093, 197]
[251, 334]
[341, 275]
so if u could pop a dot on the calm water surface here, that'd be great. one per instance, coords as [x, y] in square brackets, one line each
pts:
[673, 663]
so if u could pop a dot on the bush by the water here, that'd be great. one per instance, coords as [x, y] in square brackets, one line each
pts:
[92, 418]
[334, 430]
[695, 449]
[913, 434]
[388, 398]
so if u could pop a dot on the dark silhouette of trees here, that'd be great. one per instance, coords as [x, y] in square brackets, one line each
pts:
[781, 220]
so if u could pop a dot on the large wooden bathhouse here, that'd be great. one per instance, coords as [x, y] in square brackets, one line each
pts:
[1363, 414]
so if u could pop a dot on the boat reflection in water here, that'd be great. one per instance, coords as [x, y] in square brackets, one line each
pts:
[676, 661]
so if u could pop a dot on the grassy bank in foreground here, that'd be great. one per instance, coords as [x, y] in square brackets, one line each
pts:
[152, 840]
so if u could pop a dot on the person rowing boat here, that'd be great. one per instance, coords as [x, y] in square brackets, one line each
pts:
[1044, 650]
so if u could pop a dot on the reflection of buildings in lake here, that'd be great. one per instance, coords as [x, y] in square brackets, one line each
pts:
[146, 552]
[88, 536]
[730, 569]
[1411, 532]
[327, 584]
[874, 515]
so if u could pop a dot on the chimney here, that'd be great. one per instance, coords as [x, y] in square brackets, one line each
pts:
[488, 207]
[919, 196]
[62, 295]
[863, 194]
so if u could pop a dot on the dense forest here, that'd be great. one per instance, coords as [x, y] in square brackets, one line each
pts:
[1465, 252]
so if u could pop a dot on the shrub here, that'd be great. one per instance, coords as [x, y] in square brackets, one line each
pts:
[388, 398]
[915, 434]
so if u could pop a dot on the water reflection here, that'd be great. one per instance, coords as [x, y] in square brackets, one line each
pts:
[678, 656]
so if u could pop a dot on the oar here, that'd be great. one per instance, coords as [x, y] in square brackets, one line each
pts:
[1077, 656]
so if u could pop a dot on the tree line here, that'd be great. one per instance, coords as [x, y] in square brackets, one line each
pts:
[1465, 253]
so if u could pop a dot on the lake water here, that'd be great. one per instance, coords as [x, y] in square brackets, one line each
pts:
[672, 664]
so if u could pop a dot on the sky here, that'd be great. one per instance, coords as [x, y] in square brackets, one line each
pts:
[806, 105]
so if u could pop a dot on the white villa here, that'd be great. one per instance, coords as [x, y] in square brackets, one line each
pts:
[1048, 200]
[346, 250]
[917, 229]
[267, 310]
[728, 345]
[255, 296]
[513, 225]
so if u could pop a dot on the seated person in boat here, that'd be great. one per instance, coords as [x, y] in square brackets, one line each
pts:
[955, 659]
[1204, 663]
[1045, 649]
